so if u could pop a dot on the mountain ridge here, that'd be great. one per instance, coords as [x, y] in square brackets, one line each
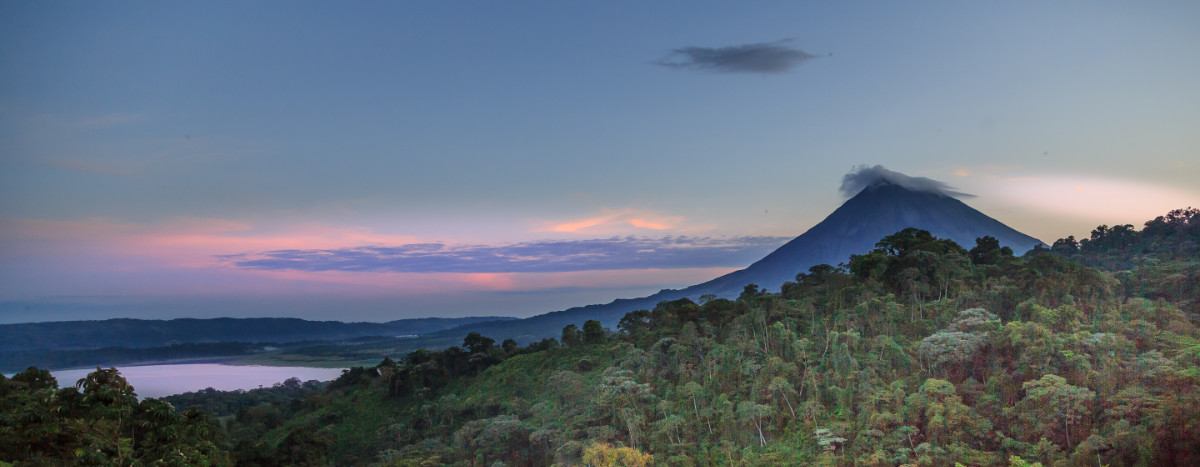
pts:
[135, 333]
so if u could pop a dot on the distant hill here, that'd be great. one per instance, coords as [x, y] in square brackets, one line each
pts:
[141, 333]
[882, 208]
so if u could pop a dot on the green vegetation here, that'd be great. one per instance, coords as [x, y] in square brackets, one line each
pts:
[920, 352]
[229, 403]
[99, 421]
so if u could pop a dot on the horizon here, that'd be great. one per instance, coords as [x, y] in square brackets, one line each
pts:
[162, 161]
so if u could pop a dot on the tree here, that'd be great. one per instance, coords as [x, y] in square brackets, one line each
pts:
[635, 324]
[605, 455]
[593, 332]
[502, 436]
[1050, 403]
[571, 337]
[913, 239]
[780, 387]
[988, 251]
[476, 343]
[942, 411]
[951, 351]
[827, 440]
[1017, 461]
[109, 401]
[755, 413]
[625, 399]
[1065, 246]
[34, 379]
[750, 291]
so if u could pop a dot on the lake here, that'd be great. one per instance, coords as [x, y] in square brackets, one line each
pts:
[165, 380]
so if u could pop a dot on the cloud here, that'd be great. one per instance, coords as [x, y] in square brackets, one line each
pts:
[645, 224]
[863, 176]
[1097, 199]
[176, 242]
[615, 222]
[576, 226]
[614, 253]
[765, 57]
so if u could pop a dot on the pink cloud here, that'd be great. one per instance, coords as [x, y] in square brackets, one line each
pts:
[616, 222]
[180, 242]
[576, 226]
[645, 224]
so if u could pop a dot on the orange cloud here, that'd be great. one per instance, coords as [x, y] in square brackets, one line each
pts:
[615, 222]
[989, 171]
[575, 227]
[647, 224]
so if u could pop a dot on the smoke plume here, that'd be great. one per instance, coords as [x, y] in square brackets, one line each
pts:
[863, 176]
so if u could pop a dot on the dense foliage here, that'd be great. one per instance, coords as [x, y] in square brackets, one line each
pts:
[99, 421]
[920, 352]
[287, 393]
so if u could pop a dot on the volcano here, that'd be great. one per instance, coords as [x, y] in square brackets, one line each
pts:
[883, 203]
[882, 208]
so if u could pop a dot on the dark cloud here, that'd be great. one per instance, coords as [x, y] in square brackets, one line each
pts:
[766, 57]
[863, 176]
[544, 256]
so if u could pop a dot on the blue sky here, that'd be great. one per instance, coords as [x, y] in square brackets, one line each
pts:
[144, 146]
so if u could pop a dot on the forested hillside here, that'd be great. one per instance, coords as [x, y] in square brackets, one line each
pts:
[919, 352]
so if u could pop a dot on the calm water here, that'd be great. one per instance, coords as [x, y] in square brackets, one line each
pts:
[165, 380]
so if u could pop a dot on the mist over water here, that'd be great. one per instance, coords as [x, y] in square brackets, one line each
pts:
[166, 380]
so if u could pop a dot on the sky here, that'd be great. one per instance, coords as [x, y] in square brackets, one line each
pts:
[370, 161]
